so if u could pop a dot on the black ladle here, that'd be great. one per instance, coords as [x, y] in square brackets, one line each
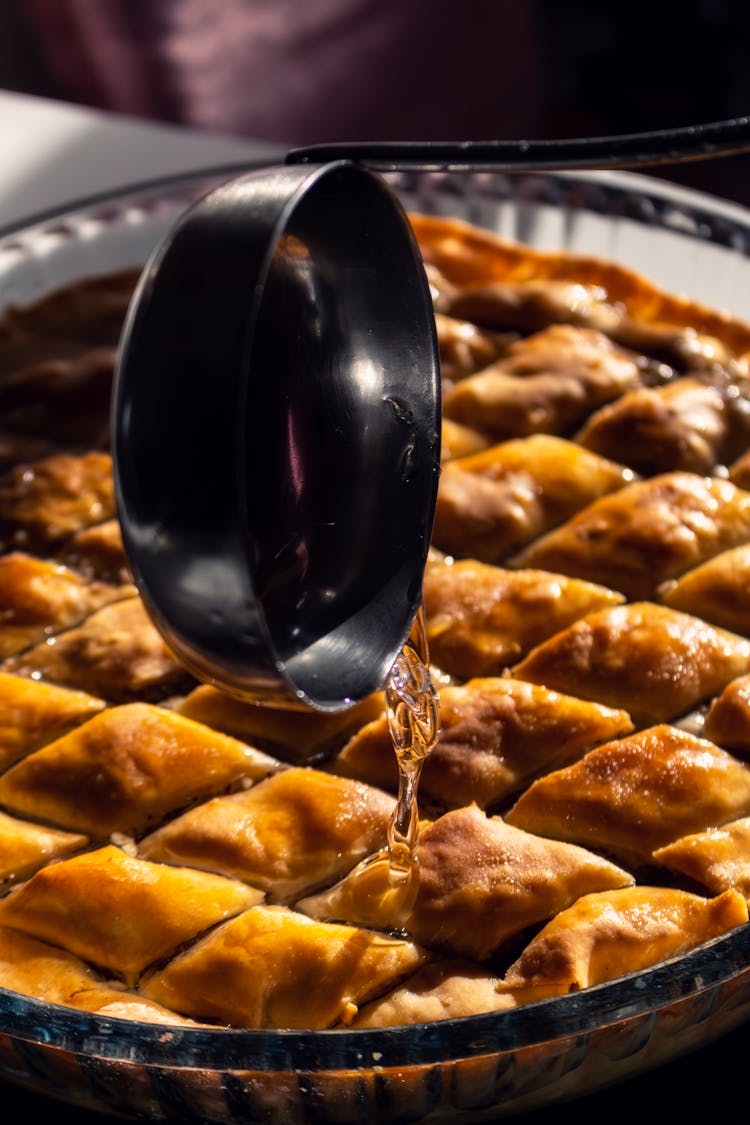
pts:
[276, 415]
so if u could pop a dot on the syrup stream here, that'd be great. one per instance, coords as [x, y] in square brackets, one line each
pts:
[414, 724]
[387, 877]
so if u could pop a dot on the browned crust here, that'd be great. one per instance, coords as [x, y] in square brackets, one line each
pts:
[464, 254]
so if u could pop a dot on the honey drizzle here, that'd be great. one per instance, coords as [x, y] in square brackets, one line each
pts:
[414, 725]
[387, 878]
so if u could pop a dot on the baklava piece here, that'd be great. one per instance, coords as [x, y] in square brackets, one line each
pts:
[441, 990]
[690, 424]
[482, 618]
[479, 884]
[604, 936]
[464, 348]
[289, 835]
[548, 383]
[739, 471]
[98, 553]
[600, 937]
[120, 913]
[718, 859]
[33, 713]
[718, 590]
[459, 441]
[654, 662]
[63, 400]
[533, 303]
[496, 734]
[25, 847]
[273, 968]
[125, 769]
[44, 502]
[646, 533]
[68, 321]
[728, 719]
[39, 598]
[37, 969]
[495, 501]
[116, 653]
[115, 1003]
[498, 283]
[298, 736]
[636, 794]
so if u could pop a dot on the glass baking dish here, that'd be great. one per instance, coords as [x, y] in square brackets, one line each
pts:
[477, 1068]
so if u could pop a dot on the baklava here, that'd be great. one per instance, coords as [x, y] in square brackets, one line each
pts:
[169, 854]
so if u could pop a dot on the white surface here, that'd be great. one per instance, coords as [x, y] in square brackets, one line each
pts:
[54, 154]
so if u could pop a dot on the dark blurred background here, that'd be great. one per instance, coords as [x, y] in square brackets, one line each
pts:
[300, 71]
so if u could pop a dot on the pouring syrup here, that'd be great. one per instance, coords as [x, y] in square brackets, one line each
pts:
[388, 878]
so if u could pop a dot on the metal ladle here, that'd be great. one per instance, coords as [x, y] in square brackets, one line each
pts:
[276, 415]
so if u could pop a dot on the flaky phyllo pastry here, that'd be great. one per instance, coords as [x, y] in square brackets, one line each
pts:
[169, 854]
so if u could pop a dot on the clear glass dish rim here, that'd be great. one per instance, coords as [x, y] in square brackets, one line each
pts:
[638, 994]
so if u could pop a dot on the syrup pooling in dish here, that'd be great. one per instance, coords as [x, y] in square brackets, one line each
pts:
[413, 711]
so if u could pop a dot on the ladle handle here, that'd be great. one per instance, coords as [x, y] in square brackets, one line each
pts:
[628, 150]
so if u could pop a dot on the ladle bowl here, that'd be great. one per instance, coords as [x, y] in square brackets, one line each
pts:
[276, 434]
[277, 416]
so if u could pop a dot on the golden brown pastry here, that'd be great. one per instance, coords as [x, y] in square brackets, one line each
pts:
[636, 794]
[496, 734]
[37, 969]
[46, 501]
[25, 847]
[646, 533]
[608, 656]
[313, 975]
[479, 883]
[718, 590]
[32, 713]
[728, 718]
[121, 913]
[609, 934]
[298, 736]
[121, 1004]
[82, 770]
[116, 653]
[531, 304]
[482, 618]
[495, 501]
[719, 858]
[690, 423]
[548, 383]
[288, 835]
[739, 471]
[126, 768]
[575, 289]
[62, 399]
[441, 990]
[464, 348]
[460, 441]
[98, 553]
[600, 937]
[38, 598]
[67, 321]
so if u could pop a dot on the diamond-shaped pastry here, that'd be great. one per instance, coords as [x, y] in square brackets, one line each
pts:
[125, 769]
[636, 794]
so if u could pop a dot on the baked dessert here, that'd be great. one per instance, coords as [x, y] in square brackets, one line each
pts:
[585, 812]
